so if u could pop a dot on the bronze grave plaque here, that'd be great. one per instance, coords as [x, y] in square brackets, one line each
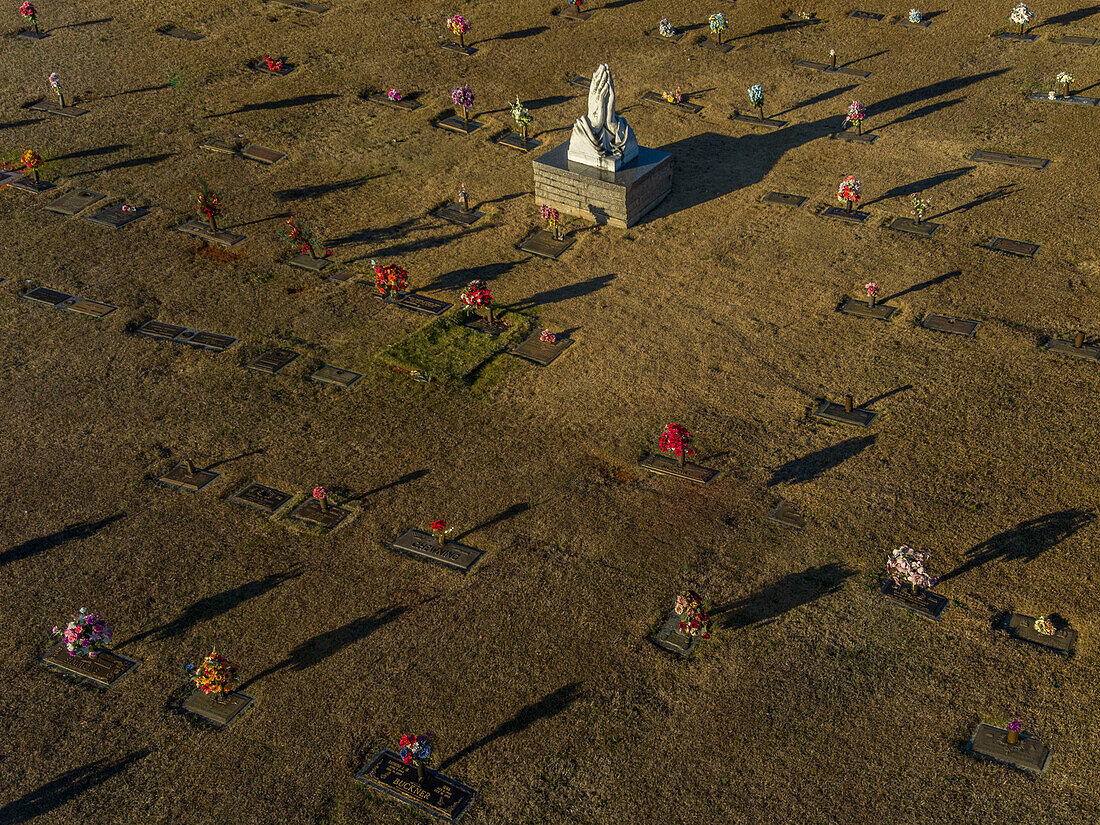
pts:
[1029, 754]
[261, 66]
[29, 184]
[426, 546]
[671, 637]
[404, 103]
[73, 201]
[676, 38]
[570, 13]
[784, 514]
[853, 137]
[1007, 159]
[543, 243]
[660, 100]
[841, 214]
[159, 330]
[104, 669]
[310, 512]
[947, 323]
[220, 146]
[85, 307]
[1021, 248]
[540, 352]
[1023, 628]
[784, 199]
[866, 15]
[923, 601]
[44, 295]
[254, 151]
[218, 713]
[514, 141]
[192, 482]
[451, 46]
[924, 229]
[863, 309]
[1076, 40]
[272, 361]
[767, 122]
[453, 213]
[302, 5]
[7, 177]
[1064, 347]
[309, 263]
[714, 45]
[664, 465]
[56, 109]
[829, 411]
[1025, 38]
[329, 374]
[421, 303]
[456, 124]
[207, 340]
[117, 216]
[260, 497]
[439, 795]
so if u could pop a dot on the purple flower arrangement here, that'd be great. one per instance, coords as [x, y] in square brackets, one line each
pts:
[86, 635]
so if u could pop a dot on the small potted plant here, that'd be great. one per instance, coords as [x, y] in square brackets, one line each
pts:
[389, 280]
[756, 98]
[675, 98]
[1021, 15]
[856, 114]
[55, 84]
[553, 220]
[919, 205]
[476, 294]
[718, 25]
[459, 25]
[416, 749]
[849, 192]
[676, 440]
[32, 160]
[522, 117]
[463, 97]
[694, 621]
[215, 676]
[872, 292]
[1014, 728]
[915, 16]
[301, 237]
[906, 566]
[86, 635]
[321, 495]
[207, 203]
[666, 29]
[440, 530]
[1064, 79]
[29, 12]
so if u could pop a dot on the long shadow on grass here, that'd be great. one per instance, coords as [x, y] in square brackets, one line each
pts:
[316, 191]
[16, 123]
[1068, 17]
[518, 34]
[98, 150]
[1000, 193]
[820, 98]
[128, 164]
[923, 111]
[504, 515]
[213, 606]
[565, 292]
[82, 23]
[939, 279]
[66, 787]
[1026, 541]
[372, 236]
[405, 479]
[285, 103]
[922, 185]
[547, 707]
[415, 246]
[809, 467]
[82, 530]
[791, 591]
[320, 647]
[461, 277]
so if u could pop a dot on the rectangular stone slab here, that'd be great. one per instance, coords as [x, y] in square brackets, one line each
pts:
[767, 123]
[31, 34]
[1029, 754]
[1076, 40]
[263, 154]
[863, 309]
[29, 184]
[7, 177]
[1010, 247]
[57, 109]
[664, 465]
[866, 15]
[206, 340]
[676, 38]
[841, 214]
[543, 243]
[456, 124]
[422, 303]
[689, 108]
[671, 638]
[783, 514]
[219, 714]
[1064, 347]
[159, 330]
[201, 229]
[860, 73]
[329, 374]
[218, 145]
[181, 34]
[946, 323]
[514, 141]
[73, 201]
[905, 21]
[309, 511]
[924, 602]
[341, 276]
[454, 214]
[260, 497]
[106, 668]
[451, 46]
[272, 361]
[784, 198]
[570, 13]
[1023, 628]
[302, 5]
[714, 45]
[533, 349]
[830, 411]
[305, 261]
[85, 307]
[1017, 36]
[853, 137]
[924, 229]
[794, 18]
[113, 217]
[483, 326]
[1007, 159]
[45, 295]
[440, 796]
[1075, 100]
[426, 546]
[405, 104]
[179, 477]
[261, 66]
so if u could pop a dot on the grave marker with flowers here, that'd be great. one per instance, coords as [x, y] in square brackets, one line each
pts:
[914, 20]
[82, 649]
[434, 546]
[477, 295]
[849, 193]
[1021, 17]
[756, 100]
[460, 212]
[869, 308]
[573, 11]
[908, 583]
[31, 161]
[458, 26]
[318, 513]
[272, 65]
[551, 241]
[463, 99]
[1009, 745]
[675, 441]
[208, 204]
[522, 118]
[855, 114]
[718, 25]
[395, 98]
[542, 347]
[666, 31]
[59, 108]
[919, 204]
[301, 237]
[28, 12]
[1042, 631]
[215, 698]
[687, 625]
[405, 776]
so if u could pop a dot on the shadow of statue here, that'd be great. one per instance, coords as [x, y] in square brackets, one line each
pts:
[81, 530]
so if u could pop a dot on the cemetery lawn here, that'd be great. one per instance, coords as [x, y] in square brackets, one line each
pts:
[815, 702]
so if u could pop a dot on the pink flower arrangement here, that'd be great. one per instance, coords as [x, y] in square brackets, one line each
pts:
[552, 218]
[395, 95]
[459, 25]
[872, 291]
[30, 12]
[86, 635]
[849, 191]
[856, 114]
[463, 97]
[906, 566]
[320, 492]
[547, 337]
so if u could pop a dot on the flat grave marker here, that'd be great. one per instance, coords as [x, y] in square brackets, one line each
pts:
[218, 145]
[670, 637]
[117, 216]
[182, 478]
[793, 17]
[1008, 159]
[1029, 754]
[451, 46]
[863, 309]
[784, 514]
[219, 714]
[426, 547]
[169, 30]
[159, 330]
[580, 82]
[261, 497]
[923, 602]
[1076, 40]
[262, 67]
[27, 183]
[7, 176]
[404, 103]
[483, 325]
[301, 5]
[909, 24]
[755, 120]
[51, 108]
[342, 276]
[689, 470]
[45, 295]
[853, 137]
[309, 263]
[1022, 249]
[1022, 627]
[514, 141]
[825, 67]
[419, 303]
[456, 124]
[1074, 100]
[570, 13]
[439, 795]
[272, 361]
[201, 229]
[83, 306]
[31, 34]
[328, 519]
[542, 242]
[329, 374]
[1023, 38]
[74, 201]
[206, 340]
[840, 414]
[656, 32]
[949, 324]
[874, 17]
[924, 229]
[103, 670]
[842, 214]
[1064, 347]
[262, 154]
[453, 212]
[660, 100]
[784, 199]
[534, 349]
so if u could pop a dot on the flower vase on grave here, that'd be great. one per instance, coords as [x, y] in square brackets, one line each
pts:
[213, 222]
[832, 59]
[190, 466]
[1014, 735]
[420, 772]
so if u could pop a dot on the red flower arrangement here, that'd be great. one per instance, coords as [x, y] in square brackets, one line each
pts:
[676, 440]
[321, 494]
[207, 204]
[389, 280]
[440, 528]
[302, 237]
[416, 749]
[275, 66]
[31, 159]
[29, 11]
[693, 619]
[477, 294]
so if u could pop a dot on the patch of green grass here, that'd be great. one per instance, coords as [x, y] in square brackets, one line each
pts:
[448, 351]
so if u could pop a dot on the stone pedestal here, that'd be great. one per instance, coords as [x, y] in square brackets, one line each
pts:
[618, 198]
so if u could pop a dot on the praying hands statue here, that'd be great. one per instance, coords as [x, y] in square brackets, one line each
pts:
[602, 138]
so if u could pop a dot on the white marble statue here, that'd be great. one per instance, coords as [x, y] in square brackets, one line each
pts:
[602, 138]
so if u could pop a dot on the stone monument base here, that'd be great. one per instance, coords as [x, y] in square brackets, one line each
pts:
[616, 198]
